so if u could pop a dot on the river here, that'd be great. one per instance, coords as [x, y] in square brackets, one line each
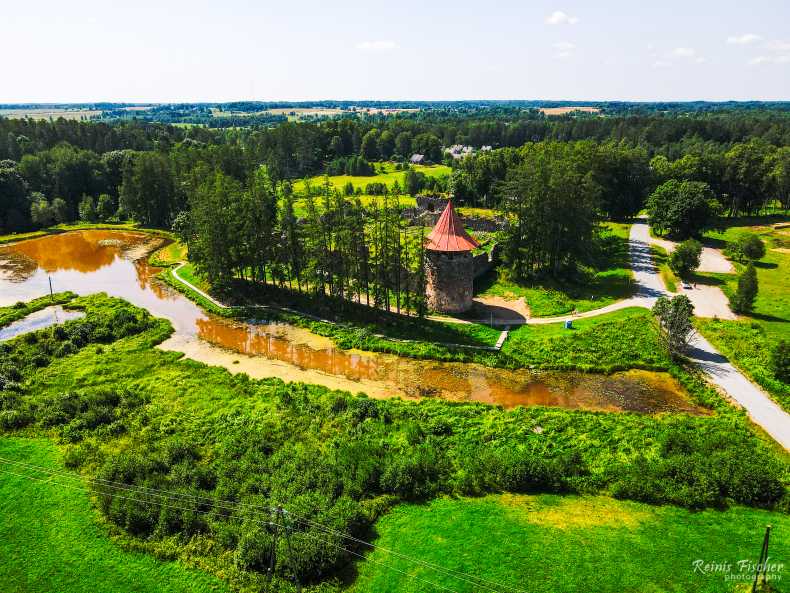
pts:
[115, 262]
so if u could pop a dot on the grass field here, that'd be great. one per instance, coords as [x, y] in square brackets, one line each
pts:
[748, 342]
[50, 539]
[566, 544]
[386, 174]
[609, 281]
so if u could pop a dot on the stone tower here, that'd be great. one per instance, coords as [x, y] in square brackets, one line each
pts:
[449, 264]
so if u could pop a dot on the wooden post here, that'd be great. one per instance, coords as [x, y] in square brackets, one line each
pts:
[51, 295]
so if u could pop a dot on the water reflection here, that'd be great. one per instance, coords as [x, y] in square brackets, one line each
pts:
[46, 317]
[86, 262]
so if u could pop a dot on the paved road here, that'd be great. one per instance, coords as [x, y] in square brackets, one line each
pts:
[761, 408]
[757, 403]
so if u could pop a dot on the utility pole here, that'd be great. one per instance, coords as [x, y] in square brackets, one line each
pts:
[761, 564]
[51, 295]
[281, 519]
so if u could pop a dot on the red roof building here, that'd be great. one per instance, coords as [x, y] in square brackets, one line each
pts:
[449, 234]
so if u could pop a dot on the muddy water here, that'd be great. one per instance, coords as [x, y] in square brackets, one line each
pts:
[86, 262]
[40, 319]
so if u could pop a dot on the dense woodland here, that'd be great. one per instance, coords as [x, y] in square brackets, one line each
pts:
[567, 172]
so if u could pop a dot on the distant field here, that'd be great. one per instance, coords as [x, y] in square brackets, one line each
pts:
[49, 113]
[564, 110]
[296, 113]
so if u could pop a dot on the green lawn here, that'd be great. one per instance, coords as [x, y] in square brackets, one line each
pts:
[748, 342]
[565, 544]
[621, 340]
[609, 280]
[50, 540]
[389, 176]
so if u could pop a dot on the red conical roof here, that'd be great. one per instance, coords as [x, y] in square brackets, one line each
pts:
[449, 233]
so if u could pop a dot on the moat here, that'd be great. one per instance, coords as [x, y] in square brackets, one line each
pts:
[115, 262]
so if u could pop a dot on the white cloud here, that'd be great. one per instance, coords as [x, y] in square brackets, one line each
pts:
[377, 45]
[700, 60]
[781, 59]
[661, 64]
[778, 45]
[684, 52]
[744, 39]
[560, 18]
[564, 46]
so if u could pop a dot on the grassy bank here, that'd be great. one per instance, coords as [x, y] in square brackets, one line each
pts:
[607, 280]
[565, 544]
[127, 412]
[21, 310]
[50, 539]
[84, 226]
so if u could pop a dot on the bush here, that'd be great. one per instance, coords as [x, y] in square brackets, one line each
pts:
[780, 361]
[743, 300]
[748, 246]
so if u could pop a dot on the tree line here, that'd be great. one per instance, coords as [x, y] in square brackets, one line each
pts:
[248, 230]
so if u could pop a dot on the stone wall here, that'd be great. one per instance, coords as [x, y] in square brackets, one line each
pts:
[450, 281]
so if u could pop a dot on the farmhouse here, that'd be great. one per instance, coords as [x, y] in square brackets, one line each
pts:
[449, 265]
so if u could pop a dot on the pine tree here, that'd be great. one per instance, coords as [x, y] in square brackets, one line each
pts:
[743, 301]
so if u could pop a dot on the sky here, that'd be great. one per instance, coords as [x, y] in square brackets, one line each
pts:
[229, 50]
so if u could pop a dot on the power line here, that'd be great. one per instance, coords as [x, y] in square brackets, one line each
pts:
[493, 586]
[266, 523]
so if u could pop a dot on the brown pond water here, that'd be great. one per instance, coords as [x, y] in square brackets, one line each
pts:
[114, 262]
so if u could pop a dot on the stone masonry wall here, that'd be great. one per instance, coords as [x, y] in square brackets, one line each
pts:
[449, 281]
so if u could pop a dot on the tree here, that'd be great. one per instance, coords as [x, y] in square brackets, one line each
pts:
[780, 361]
[685, 258]
[743, 301]
[148, 192]
[41, 215]
[429, 145]
[87, 209]
[674, 319]
[386, 144]
[748, 246]
[105, 207]
[403, 144]
[369, 149]
[551, 204]
[748, 175]
[780, 176]
[60, 210]
[681, 209]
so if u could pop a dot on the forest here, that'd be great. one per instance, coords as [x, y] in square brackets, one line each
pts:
[229, 193]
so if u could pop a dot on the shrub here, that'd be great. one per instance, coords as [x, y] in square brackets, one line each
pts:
[780, 360]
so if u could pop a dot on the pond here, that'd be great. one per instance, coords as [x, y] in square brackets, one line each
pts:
[115, 262]
[46, 317]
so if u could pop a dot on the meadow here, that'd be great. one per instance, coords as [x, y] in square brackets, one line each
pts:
[575, 544]
[51, 538]
[386, 173]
